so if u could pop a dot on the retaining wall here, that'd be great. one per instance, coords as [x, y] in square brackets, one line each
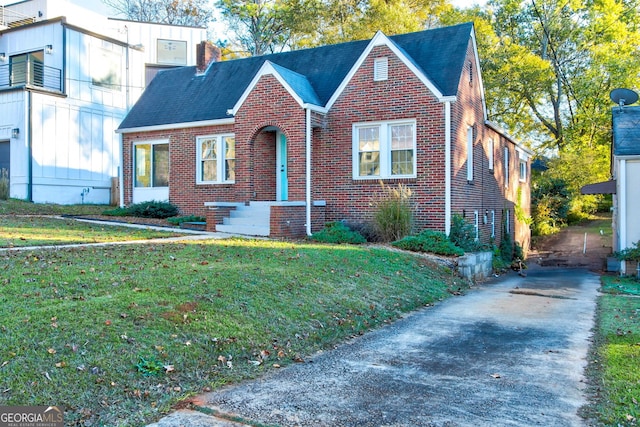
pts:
[476, 265]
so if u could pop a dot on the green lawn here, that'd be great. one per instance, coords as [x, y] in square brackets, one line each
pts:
[29, 224]
[616, 357]
[17, 231]
[20, 207]
[117, 335]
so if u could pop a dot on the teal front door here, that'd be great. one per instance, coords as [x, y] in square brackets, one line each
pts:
[282, 183]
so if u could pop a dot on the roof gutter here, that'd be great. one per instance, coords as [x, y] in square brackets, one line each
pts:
[503, 132]
[172, 126]
[315, 108]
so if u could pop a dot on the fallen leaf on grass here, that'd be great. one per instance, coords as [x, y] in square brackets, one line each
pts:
[169, 368]
[51, 351]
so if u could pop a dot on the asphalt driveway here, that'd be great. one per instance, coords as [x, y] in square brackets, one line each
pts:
[511, 352]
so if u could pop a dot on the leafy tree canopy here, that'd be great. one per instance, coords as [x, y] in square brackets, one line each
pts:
[196, 13]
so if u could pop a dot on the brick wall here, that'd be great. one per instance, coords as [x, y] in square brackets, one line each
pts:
[402, 96]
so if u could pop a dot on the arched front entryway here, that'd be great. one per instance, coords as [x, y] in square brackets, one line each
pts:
[270, 180]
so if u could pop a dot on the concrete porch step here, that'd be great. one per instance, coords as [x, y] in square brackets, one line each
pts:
[251, 220]
[262, 220]
[245, 230]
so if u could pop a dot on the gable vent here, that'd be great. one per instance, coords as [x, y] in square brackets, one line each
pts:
[380, 69]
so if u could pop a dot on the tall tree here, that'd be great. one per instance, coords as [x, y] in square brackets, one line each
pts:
[264, 26]
[197, 13]
[548, 68]
[259, 26]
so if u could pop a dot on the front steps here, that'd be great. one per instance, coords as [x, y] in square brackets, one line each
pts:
[251, 220]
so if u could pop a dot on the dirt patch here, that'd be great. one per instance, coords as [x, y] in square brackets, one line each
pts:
[586, 245]
[182, 312]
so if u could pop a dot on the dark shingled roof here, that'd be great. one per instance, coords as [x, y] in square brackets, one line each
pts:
[180, 96]
[626, 131]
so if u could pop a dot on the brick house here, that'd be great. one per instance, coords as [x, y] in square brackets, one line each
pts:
[303, 137]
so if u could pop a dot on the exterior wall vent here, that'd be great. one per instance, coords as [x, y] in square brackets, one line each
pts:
[380, 69]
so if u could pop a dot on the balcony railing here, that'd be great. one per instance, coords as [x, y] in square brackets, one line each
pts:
[11, 19]
[30, 73]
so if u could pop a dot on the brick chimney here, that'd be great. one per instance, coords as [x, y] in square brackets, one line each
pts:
[206, 53]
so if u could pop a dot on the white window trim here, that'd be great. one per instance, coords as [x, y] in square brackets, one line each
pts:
[469, 153]
[385, 150]
[493, 223]
[476, 225]
[490, 154]
[220, 160]
[523, 170]
[151, 164]
[506, 167]
[508, 222]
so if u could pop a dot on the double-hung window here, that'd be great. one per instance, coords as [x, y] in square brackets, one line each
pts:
[216, 162]
[523, 170]
[384, 150]
[506, 167]
[490, 154]
[469, 153]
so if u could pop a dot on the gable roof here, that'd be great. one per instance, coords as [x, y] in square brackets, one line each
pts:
[179, 96]
[626, 131]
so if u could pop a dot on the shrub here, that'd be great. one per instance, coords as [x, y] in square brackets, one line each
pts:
[506, 246]
[629, 254]
[4, 184]
[393, 216]
[338, 232]
[177, 220]
[368, 230]
[116, 212]
[463, 234]
[497, 262]
[430, 241]
[550, 204]
[151, 209]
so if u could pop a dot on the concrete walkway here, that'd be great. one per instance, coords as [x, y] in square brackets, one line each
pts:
[511, 352]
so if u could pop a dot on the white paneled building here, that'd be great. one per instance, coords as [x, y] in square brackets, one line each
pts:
[67, 79]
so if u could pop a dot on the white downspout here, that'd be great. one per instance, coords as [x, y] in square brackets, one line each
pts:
[308, 167]
[447, 167]
[622, 210]
[121, 171]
